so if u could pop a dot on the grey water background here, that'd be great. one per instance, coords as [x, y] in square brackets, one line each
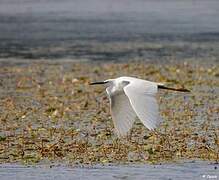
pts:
[109, 29]
[188, 170]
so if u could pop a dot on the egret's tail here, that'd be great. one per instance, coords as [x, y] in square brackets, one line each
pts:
[160, 86]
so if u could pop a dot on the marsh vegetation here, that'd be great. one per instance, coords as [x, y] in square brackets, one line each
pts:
[49, 113]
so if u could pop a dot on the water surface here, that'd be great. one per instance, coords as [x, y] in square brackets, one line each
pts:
[188, 170]
[91, 29]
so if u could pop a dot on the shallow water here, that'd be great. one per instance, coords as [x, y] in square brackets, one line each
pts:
[105, 30]
[188, 170]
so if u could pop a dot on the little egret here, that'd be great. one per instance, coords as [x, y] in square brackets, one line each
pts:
[130, 97]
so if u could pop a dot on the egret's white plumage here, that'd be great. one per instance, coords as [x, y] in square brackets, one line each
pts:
[122, 112]
[130, 98]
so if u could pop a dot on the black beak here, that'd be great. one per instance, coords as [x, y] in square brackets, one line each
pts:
[101, 82]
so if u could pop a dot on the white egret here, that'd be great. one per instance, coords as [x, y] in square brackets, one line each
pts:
[131, 97]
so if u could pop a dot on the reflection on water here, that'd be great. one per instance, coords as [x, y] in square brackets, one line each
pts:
[189, 170]
[90, 29]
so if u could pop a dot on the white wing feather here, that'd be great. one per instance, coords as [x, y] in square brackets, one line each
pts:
[142, 98]
[122, 113]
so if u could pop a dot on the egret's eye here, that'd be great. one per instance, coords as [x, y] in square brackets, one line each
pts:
[125, 83]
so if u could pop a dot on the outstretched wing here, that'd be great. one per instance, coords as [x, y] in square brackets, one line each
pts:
[122, 113]
[142, 98]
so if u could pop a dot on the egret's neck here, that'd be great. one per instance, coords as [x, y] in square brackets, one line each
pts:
[116, 86]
